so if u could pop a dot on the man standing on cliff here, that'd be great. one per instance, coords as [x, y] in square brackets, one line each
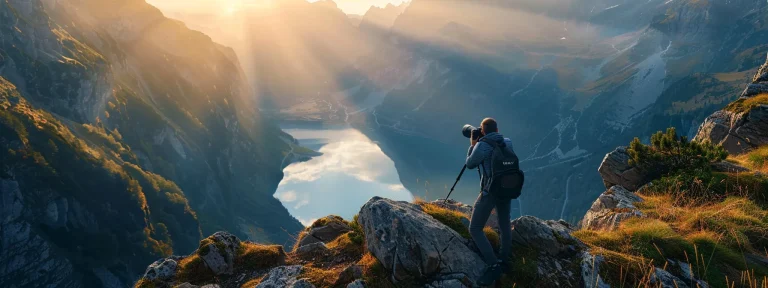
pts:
[479, 156]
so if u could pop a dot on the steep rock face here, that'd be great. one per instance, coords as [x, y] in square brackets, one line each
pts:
[743, 125]
[77, 214]
[183, 105]
[50, 67]
[613, 206]
[413, 245]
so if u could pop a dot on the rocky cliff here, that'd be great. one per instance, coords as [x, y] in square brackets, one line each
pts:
[741, 126]
[697, 222]
[124, 135]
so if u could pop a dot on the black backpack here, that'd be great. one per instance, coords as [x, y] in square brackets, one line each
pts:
[507, 179]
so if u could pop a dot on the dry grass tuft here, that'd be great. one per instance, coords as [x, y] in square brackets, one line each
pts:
[450, 218]
[253, 256]
[192, 269]
[745, 105]
[374, 274]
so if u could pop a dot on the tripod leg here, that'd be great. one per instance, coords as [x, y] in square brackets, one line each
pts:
[454, 184]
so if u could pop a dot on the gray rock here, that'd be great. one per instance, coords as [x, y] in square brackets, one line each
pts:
[755, 89]
[452, 283]
[686, 274]
[413, 245]
[454, 205]
[350, 274]
[285, 277]
[163, 269]
[762, 73]
[740, 132]
[725, 166]
[590, 267]
[610, 208]
[317, 248]
[356, 284]
[187, 285]
[550, 237]
[615, 170]
[219, 254]
[664, 279]
[335, 227]
[737, 133]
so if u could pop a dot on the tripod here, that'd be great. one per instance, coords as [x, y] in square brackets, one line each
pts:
[454, 184]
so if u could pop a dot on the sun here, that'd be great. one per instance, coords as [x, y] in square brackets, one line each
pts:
[230, 9]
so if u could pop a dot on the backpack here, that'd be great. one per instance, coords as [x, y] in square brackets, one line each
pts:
[507, 179]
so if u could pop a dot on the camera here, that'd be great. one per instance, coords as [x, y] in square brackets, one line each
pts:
[471, 131]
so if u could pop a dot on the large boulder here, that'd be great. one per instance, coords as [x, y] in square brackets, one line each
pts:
[559, 259]
[413, 245]
[324, 230]
[285, 277]
[737, 132]
[218, 252]
[610, 208]
[615, 170]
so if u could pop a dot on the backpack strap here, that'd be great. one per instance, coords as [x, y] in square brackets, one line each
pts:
[495, 147]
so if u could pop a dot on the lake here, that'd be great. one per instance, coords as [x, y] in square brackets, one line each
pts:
[351, 170]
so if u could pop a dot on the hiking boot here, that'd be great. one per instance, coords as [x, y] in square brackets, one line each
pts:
[491, 274]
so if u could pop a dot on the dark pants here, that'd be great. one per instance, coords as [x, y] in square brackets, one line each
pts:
[482, 210]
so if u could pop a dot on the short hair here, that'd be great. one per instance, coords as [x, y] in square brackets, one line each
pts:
[489, 125]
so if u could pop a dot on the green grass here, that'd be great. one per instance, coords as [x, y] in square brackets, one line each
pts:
[744, 105]
[450, 218]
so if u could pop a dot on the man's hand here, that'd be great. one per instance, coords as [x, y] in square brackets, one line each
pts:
[472, 140]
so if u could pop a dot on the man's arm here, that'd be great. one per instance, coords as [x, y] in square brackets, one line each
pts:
[477, 154]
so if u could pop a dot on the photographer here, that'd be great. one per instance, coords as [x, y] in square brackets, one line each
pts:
[484, 142]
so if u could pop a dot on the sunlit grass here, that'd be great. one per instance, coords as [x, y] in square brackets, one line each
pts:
[743, 105]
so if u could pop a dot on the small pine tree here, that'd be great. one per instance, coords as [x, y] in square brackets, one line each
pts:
[674, 152]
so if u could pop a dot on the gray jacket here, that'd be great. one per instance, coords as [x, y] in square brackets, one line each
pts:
[480, 156]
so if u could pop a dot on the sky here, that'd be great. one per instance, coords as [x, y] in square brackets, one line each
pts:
[230, 6]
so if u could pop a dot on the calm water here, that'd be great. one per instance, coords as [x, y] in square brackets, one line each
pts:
[351, 170]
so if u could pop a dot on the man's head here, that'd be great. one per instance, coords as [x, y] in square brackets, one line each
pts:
[489, 126]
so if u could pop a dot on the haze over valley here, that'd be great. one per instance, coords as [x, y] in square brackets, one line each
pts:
[130, 130]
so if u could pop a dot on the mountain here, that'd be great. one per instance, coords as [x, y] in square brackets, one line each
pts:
[564, 95]
[125, 137]
[663, 203]
[382, 17]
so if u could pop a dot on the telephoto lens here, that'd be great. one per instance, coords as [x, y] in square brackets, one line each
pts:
[468, 132]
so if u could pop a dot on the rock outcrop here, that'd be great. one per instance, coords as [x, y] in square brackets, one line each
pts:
[327, 229]
[285, 277]
[218, 252]
[740, 127]
[163, 269]
[615, 170]
[413, 245]
[613, 206]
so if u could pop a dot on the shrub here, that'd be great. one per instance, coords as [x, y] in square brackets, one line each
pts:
[673, 152]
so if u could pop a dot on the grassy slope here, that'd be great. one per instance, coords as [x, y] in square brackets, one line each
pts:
[712, 221]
